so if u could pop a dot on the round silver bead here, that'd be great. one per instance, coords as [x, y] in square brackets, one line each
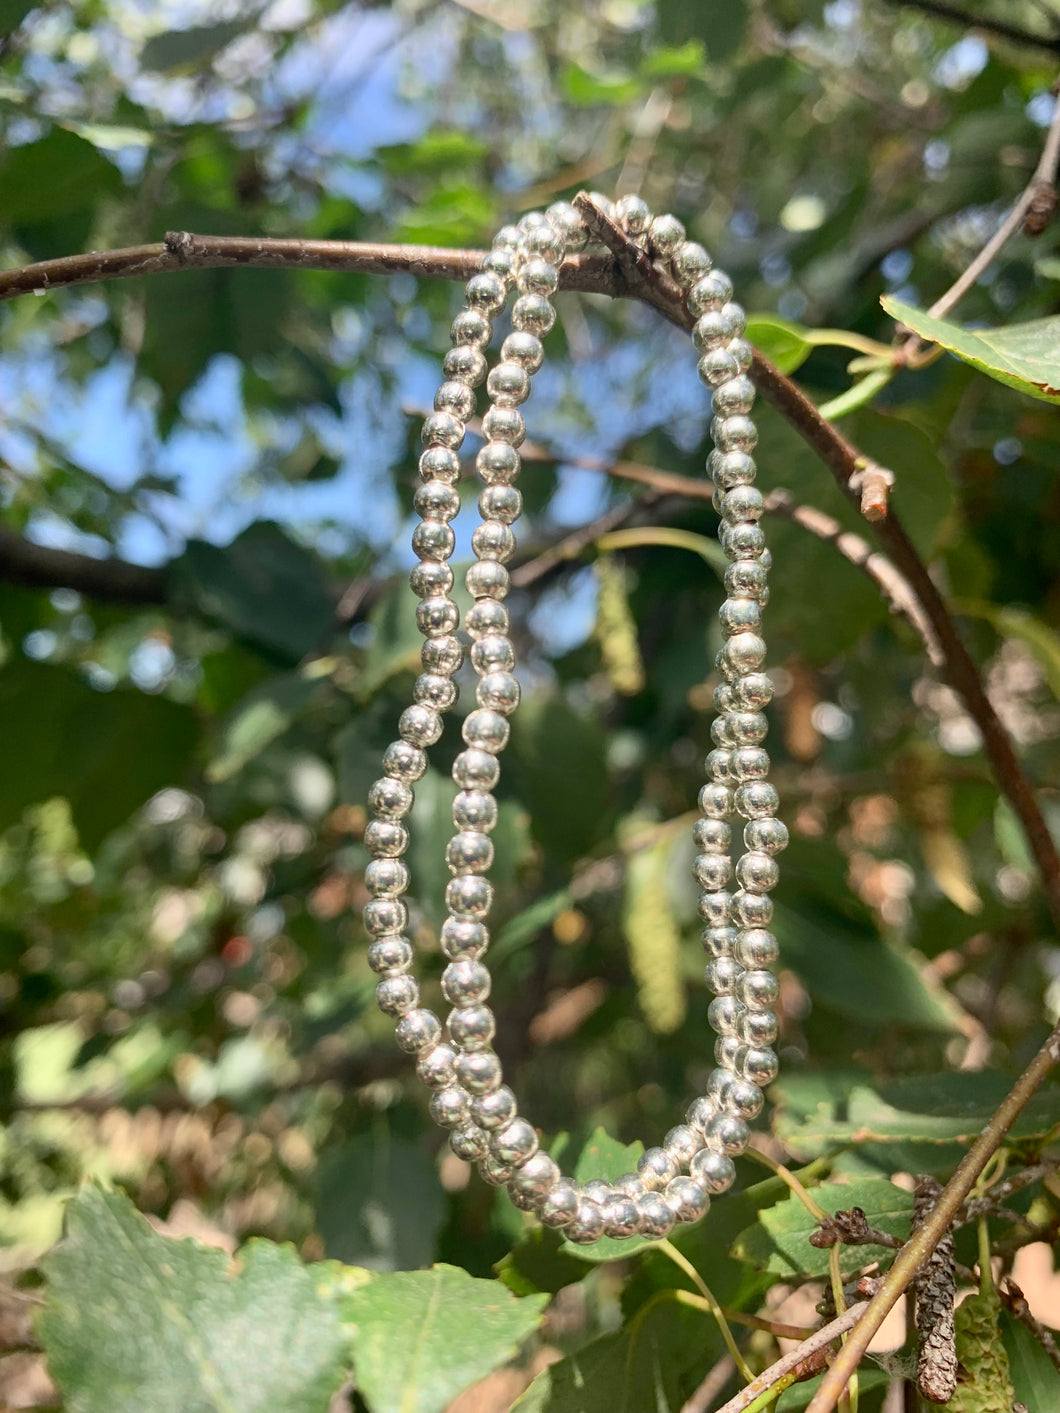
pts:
[472, 327]
[465, 983]
[717, 367]
[742, 503]
[666, 234]
[756, 800]
[655, 1216]
[508, 384]
[715, 908]
[568, 222]
[715, 800]
[735, 395]
[699, 1113]
[719, 941]
[559, 1206]
[721, 975]
[472, 1027]
[476, 770]
[711, 836]
[745, 652]
[504, 424]
[535, 1178]
[494, 1171]
[723, 1013]
[757, 989]
[494, 1110]
[715, 1171]
[434, 689]
[498, 463]
[386, 878]
[655, 1168]
[711, 331]
[682, 1143]
[385, 839]
[537, 276]
[493, 654]
[749, 728]
[442, 655]
[431, 577]
[442, 429]
[479, 1071]
[455, 397]
[469, 852]
[688, 1199]
[383, 915]
[758, 1063]
[726, 1133]
[713, 291]
[752, 909]
[757, 872]
[404, 761]
[744, 1099]
[742, 541]
[725, 1048]
[731, 468]
[439, 463]
[486, 730]
[712, 870]
[740, 616]
[533, 314]
[390, 955]
[469, 896]
[463, 937]
[420, 725]
[598, 1190]
[757, 1027]
[466, 363]
[587, 1225]
[514, 1143]
[485, 293]
[487, 578]
[498, 691]
[469, 1142]
[396, 995]
[633, 215]
[523, 349]
[768, 836]
[690, 262]
[756, 948]
[436, 1066]
[503, 503]
[621, 1217]
[433, 539]
[475, 809]
[450, 1107]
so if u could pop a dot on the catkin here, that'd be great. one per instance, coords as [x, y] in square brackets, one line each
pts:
[935, 1290]
[616, 630]
[653, 939]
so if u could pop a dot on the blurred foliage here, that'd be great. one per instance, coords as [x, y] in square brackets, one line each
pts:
[187, 1011]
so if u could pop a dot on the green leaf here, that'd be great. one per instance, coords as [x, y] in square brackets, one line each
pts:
[1022, 356]
[799, 1395]
[847, 966]
[587, 90]
[780, 1240]
[652, 1363]
[263, 715]
[135, 1321]
[105, 752]
[680, 61]
[55, 177]
[421, 1337]
[13, 12]
[818, 1113]
[184, 48]
[379, 1203]
[1034, 1379]
[604, 1157]
[782, 342]
[395, 644]
[563, 775]
[263, 586]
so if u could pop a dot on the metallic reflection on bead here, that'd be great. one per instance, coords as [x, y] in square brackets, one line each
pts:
[587, 1225]
[494, 1110]
[716, 1171]
[514, 1143]
[559, 1206]
[417, 1031]
[688, 1199]
[621, 1217]
[656, 1216]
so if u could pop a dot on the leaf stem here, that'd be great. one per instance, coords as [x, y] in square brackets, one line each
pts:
[706, 1300]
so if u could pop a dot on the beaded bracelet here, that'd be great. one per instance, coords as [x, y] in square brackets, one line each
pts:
[675, 1181]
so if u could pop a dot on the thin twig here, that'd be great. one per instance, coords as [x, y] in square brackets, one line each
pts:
[1043, 181]
[922, 1242]
[944, 10]
[1016, 1303]
[702, 1399]
[793, 1361]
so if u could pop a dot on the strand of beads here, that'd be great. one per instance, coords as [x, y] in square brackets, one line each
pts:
[459, 1065]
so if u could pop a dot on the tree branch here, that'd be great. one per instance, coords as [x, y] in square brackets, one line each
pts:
[923, 1241]
[790, 1363]
[41, 567]
[944, 10]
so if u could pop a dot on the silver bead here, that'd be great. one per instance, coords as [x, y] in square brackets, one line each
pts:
[743, 541]
[725, 1048]
[711, 836]
[715, 800]
[386, 878]
[715, 908]
[499, 691]
[462, 937]
[436, 500]
[537, 277]
[485, 617]
[386, 840]
[390, 955]
[666, 234]
[723, 1014]
[767, 835]
[756, 800]
[656, 1216]
[717, 367]
[433, 539]
[435, 1066]
[719, 941]
[439, 463]
[493, 1171]
[757, 872]
[455, 397]
[745, 652]
[655, 1168]
[486, 730]
[559, 1206]
[479, 1071]
[469, 896]
[501, 262]
[742, 503]
[682, 1143]
[442, 655]
[752, 909]
[739, 616]
[472, 1027]
[753, 691]
[417, 1031]
[735, 314]
[721, 732]
[756, 948]
[475, 809]
[503, 503]
[722, 698]
[533, 314]
[396, 995]
[748, 728]
[719, 765]
[420, 725]
[465, 983]
[568, 222]
[712, 870]
[383, 915]
[487, 578]
[467, 363]
[757, 1027]
[757, 1063]
[476, 770]
[431, 577]
[508, 384]
[587, 1224]
[493, 540]
[744, 1099]
[700, 1112]
[721, 974]
[498, 463]
[713, 291]
[598, 1190]
[633, 215]
[731, 468]
[726, 1133]
[621, 1217]
[471, 327]
[721, 1079]
[485, 293]
[495, 1109]
[737, 395]
[746, 578]
[690, 263]
[688, 1199]
[435, 690]
[449, 1108]
[469, 1142]
[742, 351]
[629, 1185]
[507, 238]
[404, 761]
[543, 241]
[514, 1143]
[716, 1171]
[493, 654]
[524, 349]
[535, 1178]
[504, 424]
[442, 429]
[711, 331]
[757, 989]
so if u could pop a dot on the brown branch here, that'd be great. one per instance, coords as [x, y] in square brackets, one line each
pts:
[41, 567]
[631, 273]
[944, 10]
[815, 1344]
[923, 1241]
[1016, 1303]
